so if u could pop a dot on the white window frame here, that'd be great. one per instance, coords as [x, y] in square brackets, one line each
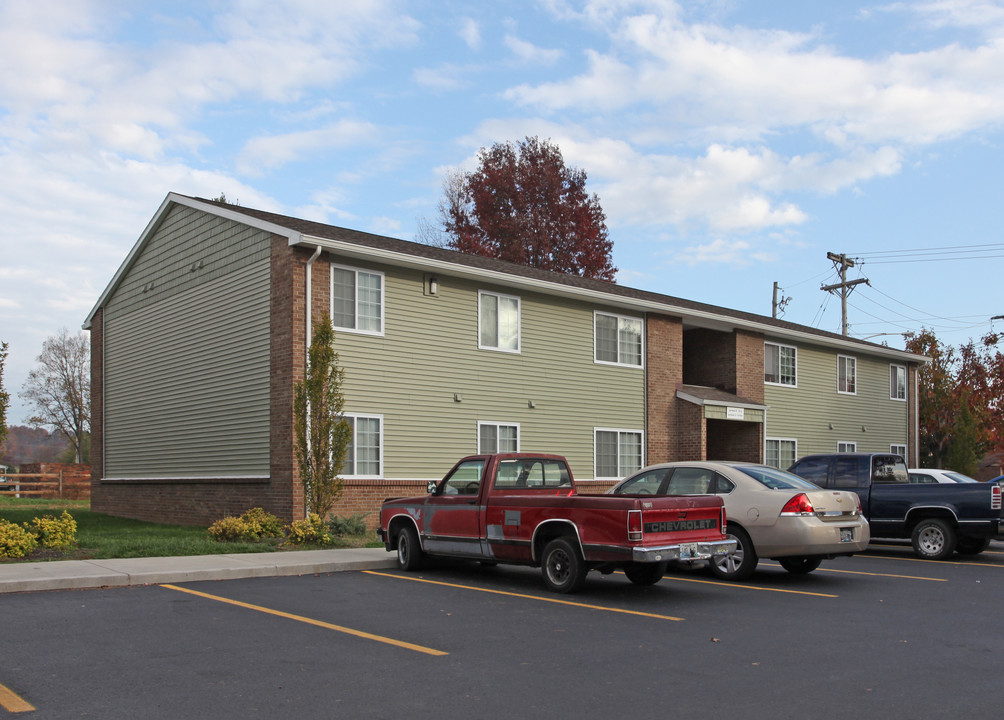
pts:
[365, 416]
[780, 382]
[498, 321]
[898, 449]
[497, 425]
[779, 441]
[846, 446]
[620, 319]
[619, 431]
[852, 362]
[894, 387]
[355, 284]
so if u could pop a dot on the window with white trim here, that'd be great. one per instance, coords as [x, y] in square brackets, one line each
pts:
[847, 447]
[357, 300]
[781, 452]
[617, 453]
[779, 364]
[617, 339]
[498, 322]
[498, 437]
[898, 450]
[897, 382]
[847, 375]
[364, 457]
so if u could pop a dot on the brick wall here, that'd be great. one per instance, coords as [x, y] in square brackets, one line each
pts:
[692, 431]
[749, 365]
[663, 372]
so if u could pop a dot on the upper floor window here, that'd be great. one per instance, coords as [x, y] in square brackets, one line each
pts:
[617, 339]
[498, 322]
[897, 382]
[498, 437]
[779, 364]
[364, 457]
[847, 375]
[357, 300]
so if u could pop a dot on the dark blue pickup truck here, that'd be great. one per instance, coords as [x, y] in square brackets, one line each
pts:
[938, 519]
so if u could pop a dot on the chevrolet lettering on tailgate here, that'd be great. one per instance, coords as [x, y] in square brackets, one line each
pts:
[523, 508]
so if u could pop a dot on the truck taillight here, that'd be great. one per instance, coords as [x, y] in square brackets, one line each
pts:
[634, 525]
[995, 497]
[798, 505]
[722, 523]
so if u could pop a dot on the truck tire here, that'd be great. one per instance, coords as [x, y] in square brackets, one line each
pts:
[972, 545]
[934, 539]
[645, 573]
[409, 552]
[562, 566]
[800, 565]
[739, 566]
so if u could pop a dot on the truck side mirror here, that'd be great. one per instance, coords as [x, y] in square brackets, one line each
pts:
[431, 487]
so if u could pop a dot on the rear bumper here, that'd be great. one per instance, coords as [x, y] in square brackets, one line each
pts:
[683, 551]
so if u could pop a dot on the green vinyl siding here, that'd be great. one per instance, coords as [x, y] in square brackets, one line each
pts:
[429, 357]
[187, 361]
[869, 417]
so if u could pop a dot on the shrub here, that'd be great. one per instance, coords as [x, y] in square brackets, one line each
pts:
[16, 541]
[351, 525]
[312, 531]
[56, 533]
[253, 526]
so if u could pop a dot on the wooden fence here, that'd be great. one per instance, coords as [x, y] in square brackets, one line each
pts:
[44, 485]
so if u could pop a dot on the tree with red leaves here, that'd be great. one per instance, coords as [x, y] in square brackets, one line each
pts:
[524, 205]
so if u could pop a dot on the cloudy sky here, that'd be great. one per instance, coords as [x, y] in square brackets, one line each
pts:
[732, 143]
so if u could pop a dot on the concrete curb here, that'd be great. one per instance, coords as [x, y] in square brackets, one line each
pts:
[79, 574]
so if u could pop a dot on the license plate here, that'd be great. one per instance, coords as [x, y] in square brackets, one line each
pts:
[846, 535]
[688, 550]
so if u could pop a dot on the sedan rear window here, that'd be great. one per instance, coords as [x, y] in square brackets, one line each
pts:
[776, 479]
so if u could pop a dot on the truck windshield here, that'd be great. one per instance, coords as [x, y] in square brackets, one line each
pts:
[889, 469]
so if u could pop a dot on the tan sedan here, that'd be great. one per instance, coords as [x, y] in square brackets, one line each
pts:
[770, 513]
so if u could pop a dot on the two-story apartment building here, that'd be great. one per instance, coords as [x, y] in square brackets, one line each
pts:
[201, 335]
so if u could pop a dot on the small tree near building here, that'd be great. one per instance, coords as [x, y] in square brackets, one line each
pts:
[59, 389]
[321, 435]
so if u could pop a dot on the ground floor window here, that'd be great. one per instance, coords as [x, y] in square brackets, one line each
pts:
[365, 455]
[898, 450]
[847, 447]
[617, 452]
[496, 437]
[781, 452]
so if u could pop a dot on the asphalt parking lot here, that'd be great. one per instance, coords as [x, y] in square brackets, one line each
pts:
[882, 634]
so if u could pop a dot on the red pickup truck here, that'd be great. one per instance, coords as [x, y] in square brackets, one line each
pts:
[522, 508]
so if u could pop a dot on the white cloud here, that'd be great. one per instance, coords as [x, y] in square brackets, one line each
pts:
[267, 153]
[529, 53]
[470, 33]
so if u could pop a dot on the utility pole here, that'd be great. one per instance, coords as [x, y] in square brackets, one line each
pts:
[778, 305]
[843, 262]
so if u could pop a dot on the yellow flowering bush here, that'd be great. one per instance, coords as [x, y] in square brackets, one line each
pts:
[253, 526]
[312, 531]
[59, 533]
[16, 541]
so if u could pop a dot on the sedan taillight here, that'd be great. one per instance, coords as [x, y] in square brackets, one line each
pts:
[797, 506]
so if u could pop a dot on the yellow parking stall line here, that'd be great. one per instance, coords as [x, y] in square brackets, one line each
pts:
[12, 702]
[528, 597]
[938, 562]
[311, 621]
[744, 586]
[861, 572]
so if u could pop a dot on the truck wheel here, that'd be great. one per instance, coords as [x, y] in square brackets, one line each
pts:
[800, 565]
[409, 552]
[741, 564]
[645, 573]
[972, 545]
[933, 539]
[563, 568]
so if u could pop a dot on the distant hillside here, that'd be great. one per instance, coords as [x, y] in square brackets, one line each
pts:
[31, 445]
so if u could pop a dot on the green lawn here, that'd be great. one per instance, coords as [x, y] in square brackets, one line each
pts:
[104, 536]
